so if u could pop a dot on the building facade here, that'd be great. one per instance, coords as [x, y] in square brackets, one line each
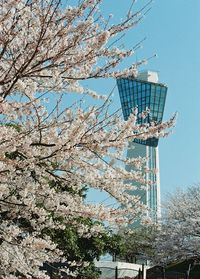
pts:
[144, 92]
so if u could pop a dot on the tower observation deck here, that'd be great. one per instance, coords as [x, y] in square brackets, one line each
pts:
[144, 92]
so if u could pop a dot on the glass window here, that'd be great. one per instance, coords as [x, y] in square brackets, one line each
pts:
[151, 107]
[163, 90]
[154, 118]
[147, 92]
[156, 100]
[143, 94]
[156, 107]
[158, 89]
[148, 86]
[153, 93]
[153, 88]
[139, 86]
[162, 102]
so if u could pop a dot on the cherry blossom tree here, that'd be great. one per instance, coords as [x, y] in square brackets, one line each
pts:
[138, 243]
[179, 237]
[49, 156]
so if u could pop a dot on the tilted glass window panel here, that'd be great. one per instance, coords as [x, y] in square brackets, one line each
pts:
[156, 107]
[147, 93]
[158, 90]
[147, 100]
[143, 100]
[162, 100]
[151, 107]
[139, 87]
[142, 94]
[148, 86]
[163, 89]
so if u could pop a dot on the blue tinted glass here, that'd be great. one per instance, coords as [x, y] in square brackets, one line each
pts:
[158, 89]
[147, 87]
[156, 107]
[147, 100]
[147, 92]
[142, 94]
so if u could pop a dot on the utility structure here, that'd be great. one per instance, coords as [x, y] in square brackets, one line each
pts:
[144, 92]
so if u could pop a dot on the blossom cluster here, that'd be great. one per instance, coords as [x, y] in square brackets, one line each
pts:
[179, 236]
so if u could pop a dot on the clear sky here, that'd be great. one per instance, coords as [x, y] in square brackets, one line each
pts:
[172, 28]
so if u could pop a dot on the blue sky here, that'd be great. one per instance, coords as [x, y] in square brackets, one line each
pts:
[172, 29]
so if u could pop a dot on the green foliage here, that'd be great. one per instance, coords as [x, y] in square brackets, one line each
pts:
[12, 125]
[138, 243]
[60, 186]
[11, 155]
[89, 272]
[81, 249]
